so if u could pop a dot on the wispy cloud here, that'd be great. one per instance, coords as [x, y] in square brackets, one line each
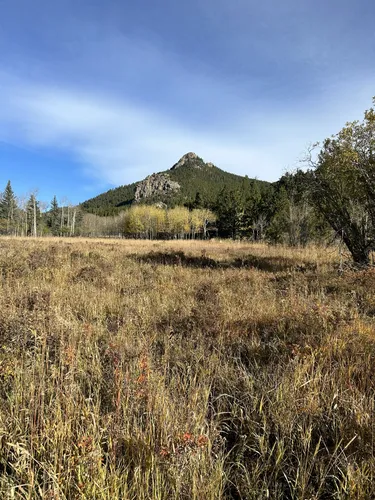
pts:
[119, 142]
[115, 140]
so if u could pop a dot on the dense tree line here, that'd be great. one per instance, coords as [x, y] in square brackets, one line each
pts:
[31, 217]
[279, 213]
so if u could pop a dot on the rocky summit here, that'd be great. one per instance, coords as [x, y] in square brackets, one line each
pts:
[189, 159]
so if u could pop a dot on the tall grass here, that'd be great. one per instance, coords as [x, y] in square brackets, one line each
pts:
[184, 370]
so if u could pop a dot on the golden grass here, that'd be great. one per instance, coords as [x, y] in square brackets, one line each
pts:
[184, 370]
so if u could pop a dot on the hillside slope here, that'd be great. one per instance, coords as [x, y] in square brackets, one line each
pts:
[176, 186]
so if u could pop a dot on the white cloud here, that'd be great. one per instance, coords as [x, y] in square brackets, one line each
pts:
[120, 142]
[115, 140]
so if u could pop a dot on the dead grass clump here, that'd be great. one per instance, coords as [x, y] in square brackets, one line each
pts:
[177, 259]
[13, 267]
[206, 313]
[92, 275]
[77, 256]
[16, 334]
[40, 258]
[273, 264]
[36, 300]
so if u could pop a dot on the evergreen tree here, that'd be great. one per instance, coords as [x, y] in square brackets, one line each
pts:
[252, 210]
[278, 228]
[3, 222]
[198, 203]
[229, 211]
[53, 220]
[8, 208]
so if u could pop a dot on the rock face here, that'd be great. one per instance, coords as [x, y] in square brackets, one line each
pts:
[189, 158]
[154, 185]
[159, 185]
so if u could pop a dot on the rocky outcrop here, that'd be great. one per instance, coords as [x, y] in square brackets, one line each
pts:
[156, 185]
[189, 159]
[159, 185]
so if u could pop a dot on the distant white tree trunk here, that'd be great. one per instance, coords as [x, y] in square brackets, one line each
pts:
[68, 221]
[62, 220]
[72, 228]
[34, 218]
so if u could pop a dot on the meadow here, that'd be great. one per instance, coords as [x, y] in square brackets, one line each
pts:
[199, 370]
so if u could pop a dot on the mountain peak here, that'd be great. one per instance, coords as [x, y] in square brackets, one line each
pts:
[188, 158]
[177, 186]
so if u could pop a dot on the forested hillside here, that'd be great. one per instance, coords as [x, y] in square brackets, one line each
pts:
[110, 202]
[192, 175]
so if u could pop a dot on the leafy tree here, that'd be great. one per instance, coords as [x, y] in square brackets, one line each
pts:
[150, 221]
[134, 221]
[344, 185]
[200, 219]
[179, 221]
[294, 219]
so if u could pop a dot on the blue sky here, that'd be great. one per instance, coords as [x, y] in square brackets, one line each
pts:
[95, 94]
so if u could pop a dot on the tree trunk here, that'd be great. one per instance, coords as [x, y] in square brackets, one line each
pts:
[34, 222]
[62, 220]
[359, 251]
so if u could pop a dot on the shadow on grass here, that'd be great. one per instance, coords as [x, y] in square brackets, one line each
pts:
[268, 264]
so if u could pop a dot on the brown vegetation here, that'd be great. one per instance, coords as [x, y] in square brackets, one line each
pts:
[185, 370]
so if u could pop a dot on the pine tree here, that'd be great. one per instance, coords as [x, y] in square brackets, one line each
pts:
[8, 209]
[279, 227]
[252, 211]
[53, 218]
[229, 211]
[198, 203]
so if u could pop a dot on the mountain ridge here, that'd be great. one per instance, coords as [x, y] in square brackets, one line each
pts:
[178, 185]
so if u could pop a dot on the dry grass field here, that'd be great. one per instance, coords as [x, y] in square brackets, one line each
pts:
[184, 370]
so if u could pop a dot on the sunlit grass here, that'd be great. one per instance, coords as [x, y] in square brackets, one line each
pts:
[186, 370]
